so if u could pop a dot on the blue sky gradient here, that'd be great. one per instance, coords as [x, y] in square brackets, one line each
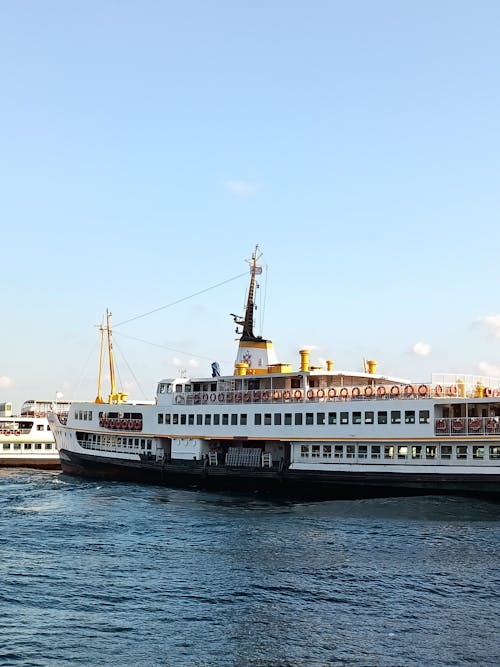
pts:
[146, 147]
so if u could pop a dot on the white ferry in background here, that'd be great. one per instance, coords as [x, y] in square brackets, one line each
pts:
[312, 432]
[26, 440]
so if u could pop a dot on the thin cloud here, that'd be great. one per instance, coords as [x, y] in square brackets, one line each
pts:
[491, 324]
[489, 369]
[241, 188]
[5, 382]
[421, 349]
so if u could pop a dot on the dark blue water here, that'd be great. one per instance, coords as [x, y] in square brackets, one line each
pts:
[127, 575]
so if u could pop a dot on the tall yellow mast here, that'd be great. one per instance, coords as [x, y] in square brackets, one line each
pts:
[114, 396]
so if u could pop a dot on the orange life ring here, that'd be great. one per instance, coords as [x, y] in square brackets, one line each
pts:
[381, 391]
[213, 396]
[488, 392]
[238, 396]
[286, 395]
[452, 390]
[369, 391]
[332, 393]
[344, 392]
[246, 397]
[457, 424]
[440, 425]
[298, 393]
[491, 425]
[276, 395]
[474, 424]
[310, 393]
[205, 397]
[438, 390]
[17, 432]
[265, 395]
[196, 398]
[320, 393]
[355, 392]
[422, 390]
[409, 390]
[395, 390]
[221, 397]
[7, 432]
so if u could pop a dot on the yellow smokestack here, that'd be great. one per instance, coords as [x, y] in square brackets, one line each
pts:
[304, 360]
[372, 366]
[329, 365]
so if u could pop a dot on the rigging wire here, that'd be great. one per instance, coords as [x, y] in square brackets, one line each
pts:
[185, 298]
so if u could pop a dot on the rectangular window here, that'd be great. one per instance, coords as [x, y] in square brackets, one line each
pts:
[430, 451]
[327, 451]
[478, 452]
[277, 419]
[369, 416]
[160, 419]
[234, 420]
[402, 451]
[339, 451]
[362, 451]
[225, 419]
[167, 419]
[257, 420]
[27, 445]
[461, 451]
[375, 451]
[216, 420]
[309, 418]
[423, 416]
[320, 418]
[298, 419]
[243, 419]
[315, 451]
[416, 452]
[332, 417]
[183, 419]
[304, 451]
[344, 417]
[388, 452]
[494, 452]
[199, 420]
[176, 419]
[288, 418]
[208, 420]
[6, 445]
[409, 416]
[350, 451]
[382, 417]
[267, 419]
[356, 417]
[446, 451]
[191, 419]
[395, 417]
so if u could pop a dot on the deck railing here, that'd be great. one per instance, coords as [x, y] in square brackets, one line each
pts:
[471, 426]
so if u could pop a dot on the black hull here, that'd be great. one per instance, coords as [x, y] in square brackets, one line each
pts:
[310, 485]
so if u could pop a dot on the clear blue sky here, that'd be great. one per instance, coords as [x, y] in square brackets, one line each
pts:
[146, 147]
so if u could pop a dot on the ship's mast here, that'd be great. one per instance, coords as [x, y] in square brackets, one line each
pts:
[247, 321]
[114, 396]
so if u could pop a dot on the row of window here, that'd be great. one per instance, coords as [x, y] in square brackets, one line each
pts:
[299, 418]
[113, 443]
[399, 452]
[26, 447]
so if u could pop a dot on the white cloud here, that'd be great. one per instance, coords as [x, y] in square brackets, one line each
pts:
[421, 349]
[5, 382]
[491, 323]
[489, 369]
[241, 188]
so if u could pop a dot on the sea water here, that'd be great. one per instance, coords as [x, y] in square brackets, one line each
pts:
[107, 574]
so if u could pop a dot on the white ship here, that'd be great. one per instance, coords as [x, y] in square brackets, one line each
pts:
[306, 432]
[26, 440]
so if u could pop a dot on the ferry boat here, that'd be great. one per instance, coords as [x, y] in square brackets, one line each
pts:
[309, 432]
[26, 440]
